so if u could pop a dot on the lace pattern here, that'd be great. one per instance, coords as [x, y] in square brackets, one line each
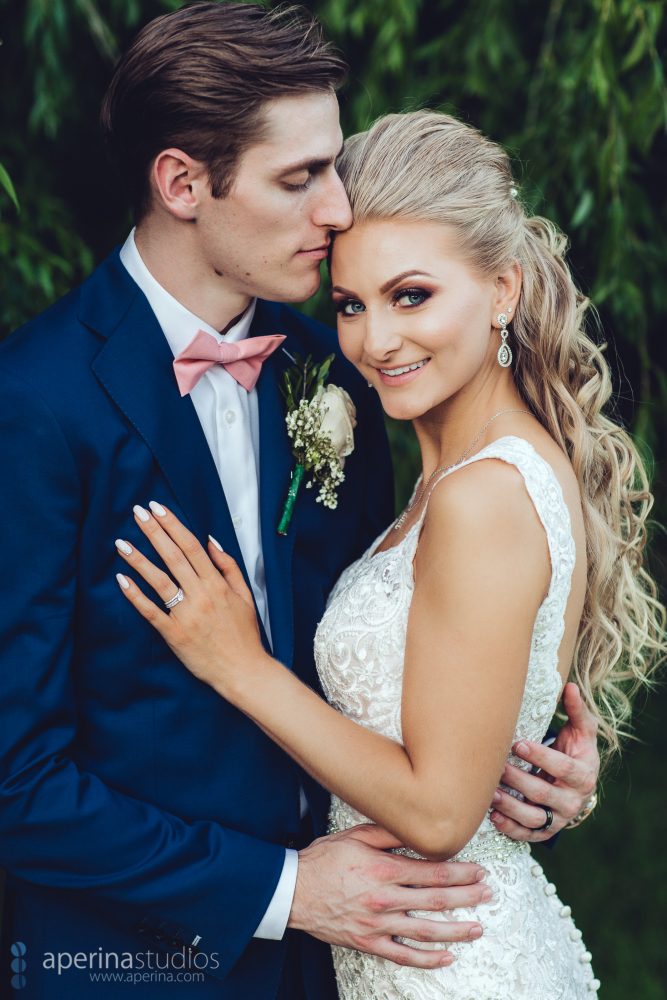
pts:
[531, 949]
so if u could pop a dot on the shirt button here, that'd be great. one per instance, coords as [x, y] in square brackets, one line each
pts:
[230, 416]
[237, 520]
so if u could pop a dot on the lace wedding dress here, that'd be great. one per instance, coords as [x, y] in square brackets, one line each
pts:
[530, 948]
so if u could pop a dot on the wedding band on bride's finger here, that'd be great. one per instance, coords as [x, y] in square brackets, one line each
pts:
[548, 821]
[176, 599]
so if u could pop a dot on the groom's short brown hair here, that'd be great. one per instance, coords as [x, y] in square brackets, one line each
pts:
[197, 79]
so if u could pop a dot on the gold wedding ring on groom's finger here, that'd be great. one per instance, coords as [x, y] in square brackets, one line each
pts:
[176, 599]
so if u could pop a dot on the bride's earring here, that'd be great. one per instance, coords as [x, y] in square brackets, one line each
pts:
[504, 351]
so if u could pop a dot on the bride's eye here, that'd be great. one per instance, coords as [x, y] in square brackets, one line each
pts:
[350, 307]
[411, 296]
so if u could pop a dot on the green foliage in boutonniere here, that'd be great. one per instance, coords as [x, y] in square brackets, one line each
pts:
[320, 423]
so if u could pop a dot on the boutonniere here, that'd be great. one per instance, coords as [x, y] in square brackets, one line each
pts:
[320, 424]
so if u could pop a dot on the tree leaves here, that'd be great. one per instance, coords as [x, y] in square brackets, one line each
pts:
[8, 187]
[576, 91]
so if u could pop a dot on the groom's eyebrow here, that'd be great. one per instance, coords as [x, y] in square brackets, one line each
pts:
[311, 164]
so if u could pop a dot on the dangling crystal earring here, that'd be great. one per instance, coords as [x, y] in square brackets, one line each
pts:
[504, 351]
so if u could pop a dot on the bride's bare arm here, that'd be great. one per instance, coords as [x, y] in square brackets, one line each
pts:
[482, 571]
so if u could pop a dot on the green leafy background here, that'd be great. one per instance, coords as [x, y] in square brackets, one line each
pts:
[577, 93]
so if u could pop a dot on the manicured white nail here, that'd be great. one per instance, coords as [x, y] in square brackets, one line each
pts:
[123, 547]
[123, 581]
[142, 514]
[157, 508]
[216, 543]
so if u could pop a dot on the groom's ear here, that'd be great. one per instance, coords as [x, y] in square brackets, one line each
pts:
[178, 183]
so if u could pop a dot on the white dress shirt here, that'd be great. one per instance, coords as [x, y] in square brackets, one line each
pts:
[229, 417]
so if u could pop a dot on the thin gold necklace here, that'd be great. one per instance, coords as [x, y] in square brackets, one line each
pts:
[400, 521]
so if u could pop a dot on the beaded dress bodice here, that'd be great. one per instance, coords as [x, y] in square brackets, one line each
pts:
[359, 651]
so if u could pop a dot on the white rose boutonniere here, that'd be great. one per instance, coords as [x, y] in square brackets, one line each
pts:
[320, 423]
[339, 420]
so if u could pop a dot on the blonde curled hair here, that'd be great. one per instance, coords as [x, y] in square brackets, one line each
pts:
[428, 166]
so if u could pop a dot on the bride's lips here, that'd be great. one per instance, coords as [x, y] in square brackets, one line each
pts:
[392, 380]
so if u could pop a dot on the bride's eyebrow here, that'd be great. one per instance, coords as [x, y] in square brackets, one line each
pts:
[401, 277]
[387, 285]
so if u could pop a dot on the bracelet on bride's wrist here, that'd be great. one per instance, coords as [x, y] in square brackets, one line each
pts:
[583, 813]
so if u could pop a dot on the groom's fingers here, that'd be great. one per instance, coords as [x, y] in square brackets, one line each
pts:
[516, 831]
[527, 816]
[564, 799]
[569, 770]
[443, 899]
[423, 874]
[434, 931]
[417, 958]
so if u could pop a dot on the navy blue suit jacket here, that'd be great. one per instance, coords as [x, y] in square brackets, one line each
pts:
[139, 810]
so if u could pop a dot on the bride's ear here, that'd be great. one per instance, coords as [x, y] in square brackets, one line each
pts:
[508, 289]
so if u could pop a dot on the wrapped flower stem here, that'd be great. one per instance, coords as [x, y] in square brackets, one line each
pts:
[288, 509]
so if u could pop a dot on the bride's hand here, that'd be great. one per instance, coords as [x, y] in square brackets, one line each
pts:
[214, 629]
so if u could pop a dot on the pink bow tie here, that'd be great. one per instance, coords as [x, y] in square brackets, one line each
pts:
[242, 360]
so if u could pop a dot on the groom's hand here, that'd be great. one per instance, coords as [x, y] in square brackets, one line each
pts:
[351, 892]
[568, 773]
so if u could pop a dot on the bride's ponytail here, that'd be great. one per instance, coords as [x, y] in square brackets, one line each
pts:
[431, 167]
[563, 376]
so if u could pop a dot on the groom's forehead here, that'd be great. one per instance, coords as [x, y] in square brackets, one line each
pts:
[299, 131]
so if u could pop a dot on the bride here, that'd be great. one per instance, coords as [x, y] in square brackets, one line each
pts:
[516, 565]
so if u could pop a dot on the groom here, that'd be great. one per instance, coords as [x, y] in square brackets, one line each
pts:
[149, 830]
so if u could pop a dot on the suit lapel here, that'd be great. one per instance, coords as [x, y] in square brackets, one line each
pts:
[276, 463]
[135, 368]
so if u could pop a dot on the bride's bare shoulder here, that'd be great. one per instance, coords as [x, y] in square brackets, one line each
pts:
[481, 520]
[482, 498]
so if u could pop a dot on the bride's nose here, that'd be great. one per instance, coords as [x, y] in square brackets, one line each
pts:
[381, 339]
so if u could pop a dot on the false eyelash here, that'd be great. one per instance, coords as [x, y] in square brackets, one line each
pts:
[400, 292]
[339, 305]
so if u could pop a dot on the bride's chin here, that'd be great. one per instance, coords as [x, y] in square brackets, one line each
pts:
[407, 409]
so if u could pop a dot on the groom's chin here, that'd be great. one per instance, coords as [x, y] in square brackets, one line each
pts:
[302, 288]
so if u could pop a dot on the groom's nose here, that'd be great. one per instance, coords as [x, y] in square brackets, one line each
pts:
[333, 208]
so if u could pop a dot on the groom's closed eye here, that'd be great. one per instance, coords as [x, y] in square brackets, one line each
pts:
[298, 174]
